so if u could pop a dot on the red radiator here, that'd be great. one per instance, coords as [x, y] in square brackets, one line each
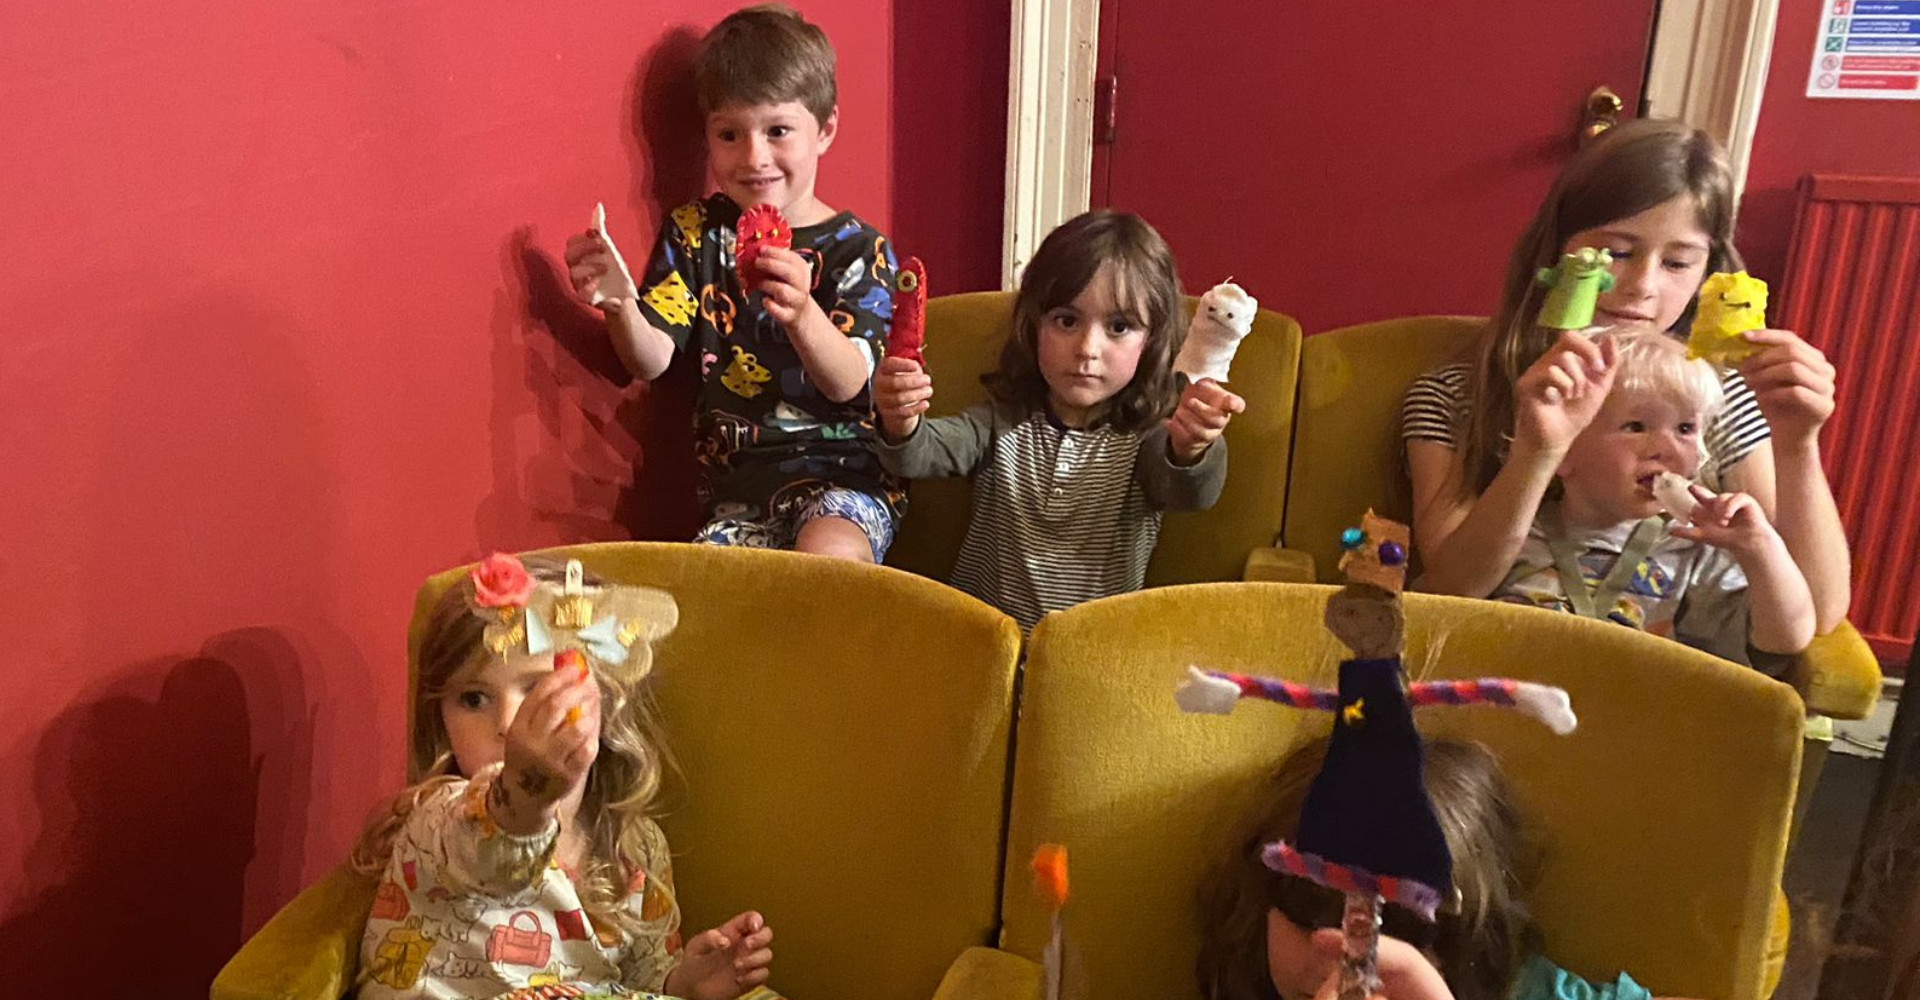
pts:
[1852, 288]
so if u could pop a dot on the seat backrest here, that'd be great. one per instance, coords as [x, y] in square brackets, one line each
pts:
[1212, 545]
[844, 781]
[1664, 816]
[1347, 452]
[964, 337]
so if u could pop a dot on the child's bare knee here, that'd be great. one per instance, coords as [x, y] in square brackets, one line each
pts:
[836, 537]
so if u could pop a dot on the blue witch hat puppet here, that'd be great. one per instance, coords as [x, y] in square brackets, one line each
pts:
[1367, 828]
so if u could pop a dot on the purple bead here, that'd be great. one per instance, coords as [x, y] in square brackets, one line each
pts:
[1391, 554]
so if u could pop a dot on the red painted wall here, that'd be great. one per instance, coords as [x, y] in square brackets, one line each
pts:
[1350, 162]
[1800, 135]
[950, 139]
[282, 335]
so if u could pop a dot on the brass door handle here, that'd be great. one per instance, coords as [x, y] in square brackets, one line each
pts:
[1602, 112]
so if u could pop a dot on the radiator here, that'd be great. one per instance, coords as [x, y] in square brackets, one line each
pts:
[1852, 288]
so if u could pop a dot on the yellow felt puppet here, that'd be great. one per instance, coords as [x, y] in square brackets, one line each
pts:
[1730, 305]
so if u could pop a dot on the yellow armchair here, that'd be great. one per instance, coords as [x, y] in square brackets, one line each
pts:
[310, 950]
[1664, 816]
[991, 974]
[843, 731]
[964, 336]
[1347, 456]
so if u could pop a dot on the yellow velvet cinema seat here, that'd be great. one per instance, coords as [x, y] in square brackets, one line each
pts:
[1347, 456]
[964, 336]
[843, 731]
[1664, 816]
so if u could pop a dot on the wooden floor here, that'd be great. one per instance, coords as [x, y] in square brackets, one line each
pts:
[1821, 863]
[1853, 876]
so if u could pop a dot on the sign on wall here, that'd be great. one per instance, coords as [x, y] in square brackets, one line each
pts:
[1867, 49]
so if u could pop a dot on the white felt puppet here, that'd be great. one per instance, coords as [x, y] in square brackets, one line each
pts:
[618, 286]
[1223, 318]
[1674, 493]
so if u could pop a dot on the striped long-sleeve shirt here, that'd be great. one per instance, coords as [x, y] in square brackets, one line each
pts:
[1060, 516]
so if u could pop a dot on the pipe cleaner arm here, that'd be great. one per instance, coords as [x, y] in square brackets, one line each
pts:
[1215, 692]
[1548, 705]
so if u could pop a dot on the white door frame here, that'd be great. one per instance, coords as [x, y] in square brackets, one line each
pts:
[1708, 67]
[1049, 123]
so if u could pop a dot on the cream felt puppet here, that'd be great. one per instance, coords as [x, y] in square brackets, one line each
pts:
[1730, 305]
[1367, 828]
[1223, 319]
[619, 286]
[1675, 493]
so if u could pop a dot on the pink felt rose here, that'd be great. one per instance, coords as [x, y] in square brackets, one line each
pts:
[500, 581]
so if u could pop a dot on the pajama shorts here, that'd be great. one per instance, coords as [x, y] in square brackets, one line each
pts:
[781, 528]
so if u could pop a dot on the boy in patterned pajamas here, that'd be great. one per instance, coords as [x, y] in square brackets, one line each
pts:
[784, 419]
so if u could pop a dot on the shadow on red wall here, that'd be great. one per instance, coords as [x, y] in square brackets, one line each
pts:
[666, 140]
[152, 810]
[612, 460]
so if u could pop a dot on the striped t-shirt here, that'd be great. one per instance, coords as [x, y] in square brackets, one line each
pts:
[1437, 402]
[1060, 516]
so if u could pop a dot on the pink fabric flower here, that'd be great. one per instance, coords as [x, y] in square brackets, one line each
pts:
[500, 581]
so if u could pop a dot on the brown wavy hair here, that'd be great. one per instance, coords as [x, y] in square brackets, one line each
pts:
[1144, 278]
[621, 786]
[1630, 168]
[1479, 942]
[766, 54]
